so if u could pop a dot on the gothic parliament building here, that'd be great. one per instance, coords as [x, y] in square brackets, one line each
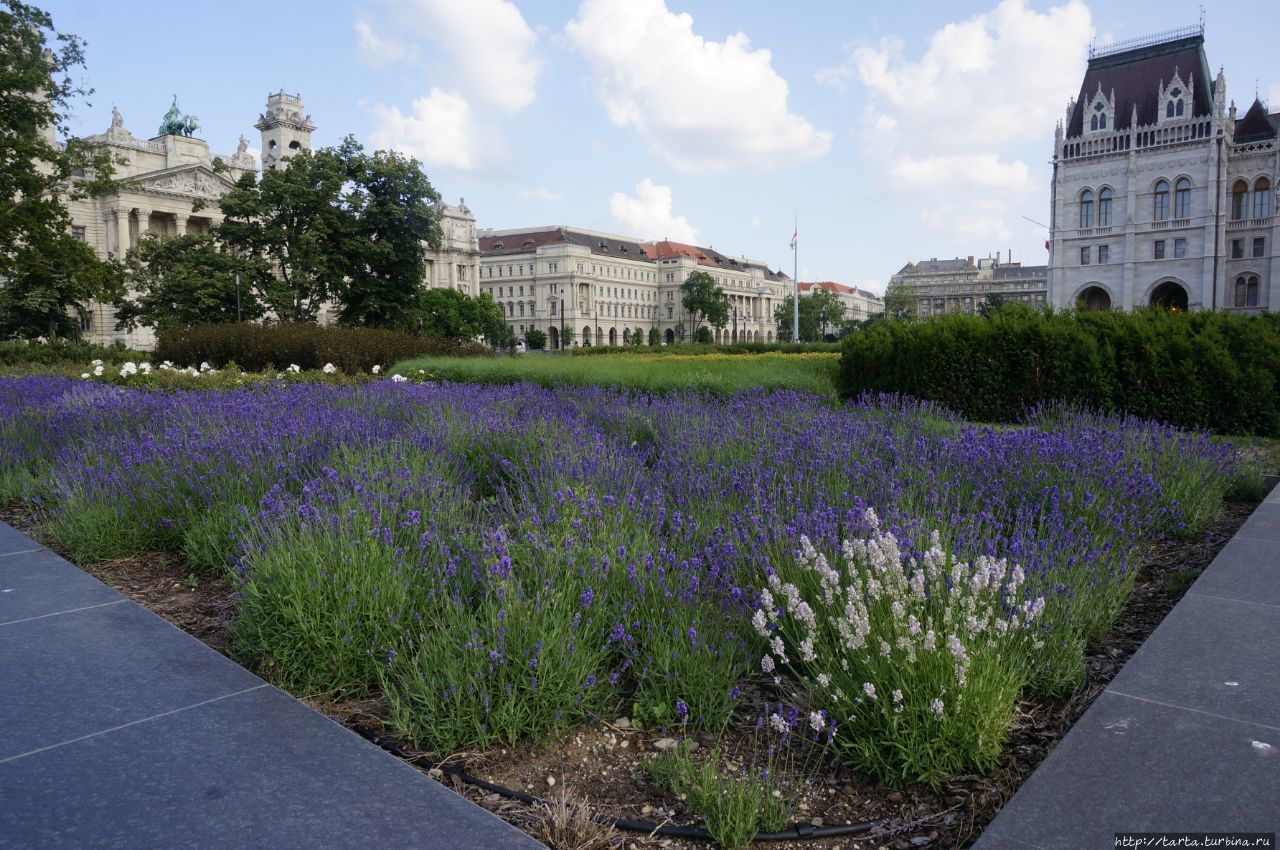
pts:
[1163, 194]
[165, 178]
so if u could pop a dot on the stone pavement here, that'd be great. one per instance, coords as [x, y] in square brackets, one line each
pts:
[119, 730]
[1187, 736]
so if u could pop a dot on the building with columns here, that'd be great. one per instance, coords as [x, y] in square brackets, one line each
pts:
[1162, 193]
[962, 285]
[594, 288]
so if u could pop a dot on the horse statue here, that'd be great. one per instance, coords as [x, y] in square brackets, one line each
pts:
[175, 123]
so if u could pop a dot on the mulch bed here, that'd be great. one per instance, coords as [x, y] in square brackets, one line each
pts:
[604, 764]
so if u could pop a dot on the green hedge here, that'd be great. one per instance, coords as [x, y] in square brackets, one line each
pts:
[60, 351]
[1212, 370]
[689, 349]
[256, 347]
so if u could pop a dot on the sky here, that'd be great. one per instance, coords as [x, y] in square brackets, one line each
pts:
[883, 132]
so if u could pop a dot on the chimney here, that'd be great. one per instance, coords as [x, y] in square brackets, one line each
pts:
[970, 261]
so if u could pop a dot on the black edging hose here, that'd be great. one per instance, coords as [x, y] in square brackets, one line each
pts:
[791, 833]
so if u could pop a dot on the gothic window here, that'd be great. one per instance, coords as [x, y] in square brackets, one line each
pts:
[1247, 291]
[1182, 198]
[1262, 198]
[1098, 121]
[1239, 200]
[1104, 207]
[1086, 208]
[1174, 107]
[1162, 201]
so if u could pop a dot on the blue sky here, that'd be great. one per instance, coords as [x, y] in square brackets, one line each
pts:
[894, 132]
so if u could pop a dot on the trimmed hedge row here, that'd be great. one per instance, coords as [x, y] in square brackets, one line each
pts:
[691, 349]
[1209, 370]
[58, 351]
[255, 347]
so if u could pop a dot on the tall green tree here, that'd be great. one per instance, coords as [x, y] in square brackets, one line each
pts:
[704, 300]
[820, 312]
[395, 221]
[456, 315]
[49, 277]
[899, 305]
[187, 280]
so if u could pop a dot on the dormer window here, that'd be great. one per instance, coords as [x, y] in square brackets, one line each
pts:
[1175, 105]
[1098, 121]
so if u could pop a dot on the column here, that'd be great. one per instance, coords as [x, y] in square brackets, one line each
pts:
[144, 222]
[122, 230]
[180, 222]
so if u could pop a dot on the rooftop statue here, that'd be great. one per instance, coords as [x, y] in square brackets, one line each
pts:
[175, 123]
[117, 120]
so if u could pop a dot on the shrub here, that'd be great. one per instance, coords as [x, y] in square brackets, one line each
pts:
[918, 664]
[1205, 370]
[536, 339]
[257, 347]
[61, 351]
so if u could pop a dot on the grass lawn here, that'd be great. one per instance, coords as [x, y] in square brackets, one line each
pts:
[725, 374]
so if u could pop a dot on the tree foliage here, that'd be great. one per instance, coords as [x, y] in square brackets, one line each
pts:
[821, 312]
[899, 305]
[49, 276]
[456, 315]
[536, 339]
[188, 280]
[704, 300]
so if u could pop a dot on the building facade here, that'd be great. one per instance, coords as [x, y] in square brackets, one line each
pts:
[1162, 194]
[859, 305]
[583, 287]
[169, 186]
[936, 287]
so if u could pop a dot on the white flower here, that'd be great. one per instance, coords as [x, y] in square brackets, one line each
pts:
[766, 664]
[824, 680]
[294, 367]
[97, 369]
[329, 369]
[937, 707]
[205, 367]
[897, 697]
[869, 689]
[144, 368]
[398, 379]
[816, 721]
[129, 368]
[376, 369]
[84, 375]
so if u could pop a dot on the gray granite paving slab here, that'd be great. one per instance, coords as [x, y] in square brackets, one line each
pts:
[1129, 766]
[75, 674]
[1263, 523]
[1219, 656]
[254, 770]
[12, 540]
[40, 583]
[1245, 569]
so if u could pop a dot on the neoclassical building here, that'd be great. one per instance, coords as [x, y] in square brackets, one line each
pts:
[600, 289]
[859, 305]
[962, 285]
[169, 185]
[1162, 193]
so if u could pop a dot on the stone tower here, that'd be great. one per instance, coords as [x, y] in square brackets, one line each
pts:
[285, 130]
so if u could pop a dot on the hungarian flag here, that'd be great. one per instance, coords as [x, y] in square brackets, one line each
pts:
[794, 234]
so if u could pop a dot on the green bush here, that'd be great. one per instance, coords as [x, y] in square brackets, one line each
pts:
[734, 348]
[59, 351]
[1218, 371]
[256, 347]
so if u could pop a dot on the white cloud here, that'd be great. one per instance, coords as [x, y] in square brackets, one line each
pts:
[491, 50]
[440, 129]
[952, 127]
[541, 194]
[699, 104]
[648, 214]
[378, 52]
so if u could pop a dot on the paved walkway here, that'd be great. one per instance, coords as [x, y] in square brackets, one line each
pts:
[1187, 737]
[119, 730]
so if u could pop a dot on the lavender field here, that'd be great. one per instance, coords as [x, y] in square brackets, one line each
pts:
[501, 563]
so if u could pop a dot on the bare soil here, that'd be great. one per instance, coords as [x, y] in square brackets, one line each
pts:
[604, 765]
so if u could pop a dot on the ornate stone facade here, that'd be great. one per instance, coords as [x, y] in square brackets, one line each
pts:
[599, 288]
[1161, 195]
[962, 285]
[859, 305]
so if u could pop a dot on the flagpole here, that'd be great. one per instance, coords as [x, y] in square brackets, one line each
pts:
[795, 282]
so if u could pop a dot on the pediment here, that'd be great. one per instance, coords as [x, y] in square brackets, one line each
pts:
[194, 180]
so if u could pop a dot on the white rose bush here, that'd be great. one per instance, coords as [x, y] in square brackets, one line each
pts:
[917, 663]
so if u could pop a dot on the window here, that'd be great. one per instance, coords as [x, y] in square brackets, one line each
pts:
[78, 234]
[1237, 249]
[1158, 251]
[1262, 198]
[1084, 256]
[1104, 253]
[1098, 121]
[86, 323]
[1247, 291]
[1086, 208]
[1182, 198]
[1175, 106]
[522, 292]
[1239, 200]
[1259, 246]
[1179, 248]
[551, 308]
[1104, 207]
[1162, 201]
[668, 312]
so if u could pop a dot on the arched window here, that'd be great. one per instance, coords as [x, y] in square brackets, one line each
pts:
[1239, 200]
[1086, 208]
[1262, 198]
[1098, 121]
[1104, 207]
[1182, 198]
[1174, 107]
[1247, 291]
[1162, 201]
